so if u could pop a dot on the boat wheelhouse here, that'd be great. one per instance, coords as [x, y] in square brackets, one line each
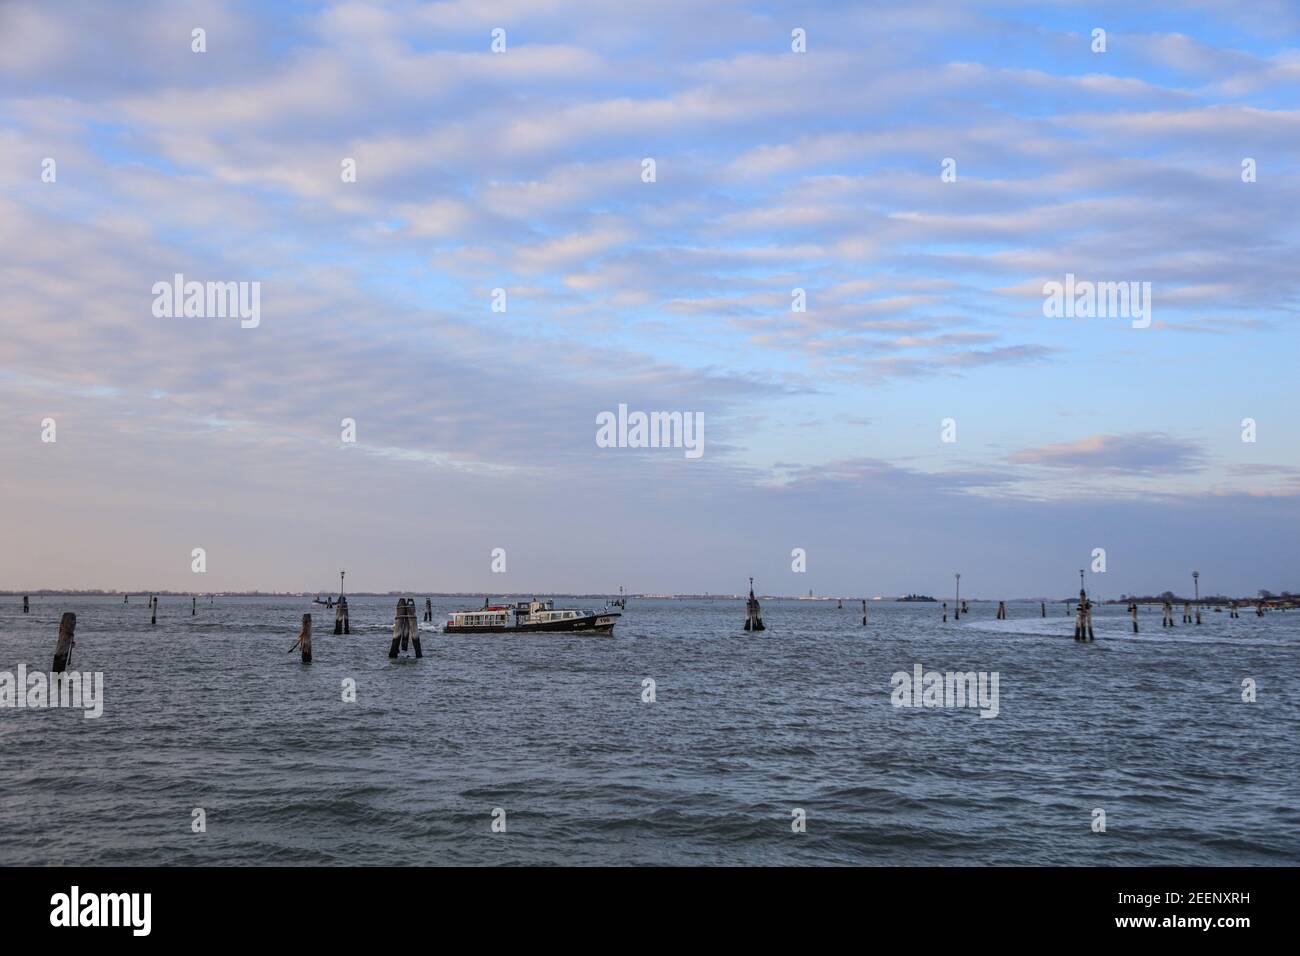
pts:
[530, 616]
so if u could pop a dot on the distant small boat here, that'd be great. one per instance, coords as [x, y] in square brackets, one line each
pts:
[530, 616]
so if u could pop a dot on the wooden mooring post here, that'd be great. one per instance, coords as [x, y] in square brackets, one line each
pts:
[304, 639]
[753, 616]
[1133, 612]
[1233, 610]
[63, 649]
[945, 612]
[26, 605]
[413, 627]
[1002, 610]
[1043, 608]
[153, 610]
[399, 627]
[194, 605]
[864, 612]
[341, 625]
[1168, 619]
[428, 610]
[406, 631]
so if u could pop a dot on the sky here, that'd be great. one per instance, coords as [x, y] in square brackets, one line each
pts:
[920, 171]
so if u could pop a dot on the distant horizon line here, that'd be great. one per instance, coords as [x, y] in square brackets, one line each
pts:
[900, 599]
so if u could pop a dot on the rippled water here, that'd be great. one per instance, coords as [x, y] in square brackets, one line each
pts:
[209, 711]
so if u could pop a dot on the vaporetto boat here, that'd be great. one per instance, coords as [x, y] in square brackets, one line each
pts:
[530, 616]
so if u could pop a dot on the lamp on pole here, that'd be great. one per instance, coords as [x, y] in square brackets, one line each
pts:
[341, 573]
[956, 612]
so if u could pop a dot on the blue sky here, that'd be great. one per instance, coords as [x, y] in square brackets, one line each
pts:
[775, 170]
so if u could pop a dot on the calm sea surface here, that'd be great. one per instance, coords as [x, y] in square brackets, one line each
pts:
[210, 712]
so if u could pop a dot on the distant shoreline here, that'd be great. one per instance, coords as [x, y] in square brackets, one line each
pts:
[1286, 597]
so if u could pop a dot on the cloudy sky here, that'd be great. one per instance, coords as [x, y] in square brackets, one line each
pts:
[774, 170]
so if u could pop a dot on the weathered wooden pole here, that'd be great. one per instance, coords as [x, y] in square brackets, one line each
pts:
[194, 605]
[1259, 608]
[945, 612]
[1043, 608]
[153, 611]
[399, 627]
[341, 616]
[1233, 610]
[1002, 610]
[1168, 619]
[126, 599]
[304, 639]
[753, 616]
[428, 609]
[956, 604]
[1133, 610]
[413, 627]
[864, 612]
[1196, 583]
[63, 649]
[26, 607]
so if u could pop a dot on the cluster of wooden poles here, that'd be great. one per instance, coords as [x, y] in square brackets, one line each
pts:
[1083, 630]
[406, 632]
[1082, 618]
